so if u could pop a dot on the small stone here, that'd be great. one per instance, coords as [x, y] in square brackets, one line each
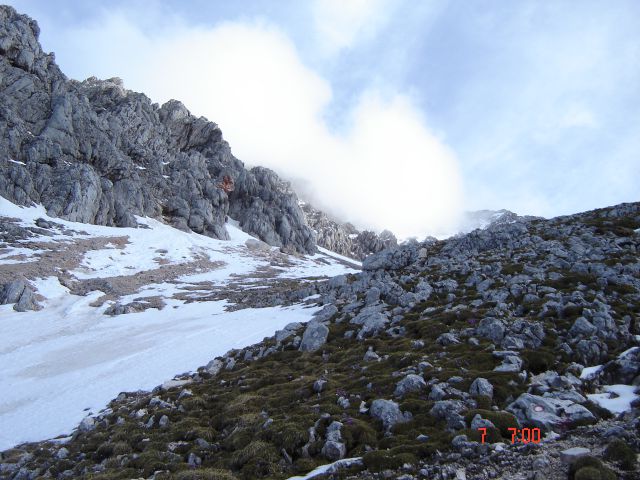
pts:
[231, 362]
[541, 464]
[164, 421]
[202, 443]
[458, 441]
[62, 453]
[194, 460]
[371, 356]
[572, 454]
[87, 424]
[174, 384]
[185, 393]
[214, 366]
[481, 386]
[150, 422]
[479, 422]
[447, 339]
[318, 385]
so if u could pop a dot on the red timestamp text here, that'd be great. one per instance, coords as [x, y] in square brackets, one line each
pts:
[524, 435]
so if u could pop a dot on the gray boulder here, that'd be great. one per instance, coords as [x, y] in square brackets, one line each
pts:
[214, 366]
[591, 352]
[547, 413]
[20, 293]
[318, 385]
[491, 328]
[325, 313]
[391, 258]
[583, 328]
[314, 336]
[87, 424]
[370, 356]
[334, 449]
[371, 320]
[449, 410]
[481, 386]
[372, 296]
[479, 422]
[623, 370]
[570, 455]
[389, 413]
[410, 383]
[510, 363]
[62, 453]
[437, 392]
[447, 339]
[288, 331]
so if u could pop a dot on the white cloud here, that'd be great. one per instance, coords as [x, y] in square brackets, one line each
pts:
[340, 23]
[387, 171]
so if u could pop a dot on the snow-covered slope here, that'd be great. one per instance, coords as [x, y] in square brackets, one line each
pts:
[186, 294]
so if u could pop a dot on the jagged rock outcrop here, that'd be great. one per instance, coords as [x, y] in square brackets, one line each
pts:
[20, 293]
[344, 238]
[95, 152]
[485, 218]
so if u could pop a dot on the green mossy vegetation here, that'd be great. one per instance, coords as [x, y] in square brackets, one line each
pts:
[590, 468]
[621, 453]
[502, 420]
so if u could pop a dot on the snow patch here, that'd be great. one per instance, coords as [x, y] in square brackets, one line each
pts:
[589, 373]
[69, 356]
[15, 161]
[329, 468]
[59, 361]
[617, 398]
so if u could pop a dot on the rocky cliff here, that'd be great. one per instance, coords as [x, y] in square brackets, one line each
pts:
[95, 152]
[344, 238]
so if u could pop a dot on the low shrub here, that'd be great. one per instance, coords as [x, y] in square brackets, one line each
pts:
[379, 460]
[204, 474]
[621, 453]
[502, 420]
[590, 468]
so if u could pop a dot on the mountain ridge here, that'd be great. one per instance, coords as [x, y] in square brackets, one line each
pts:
[95, 152]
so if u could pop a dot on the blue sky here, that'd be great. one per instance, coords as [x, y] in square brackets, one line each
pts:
[396, 114]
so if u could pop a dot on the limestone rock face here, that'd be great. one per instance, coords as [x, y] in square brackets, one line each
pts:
[344, 238]
[95, 152]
